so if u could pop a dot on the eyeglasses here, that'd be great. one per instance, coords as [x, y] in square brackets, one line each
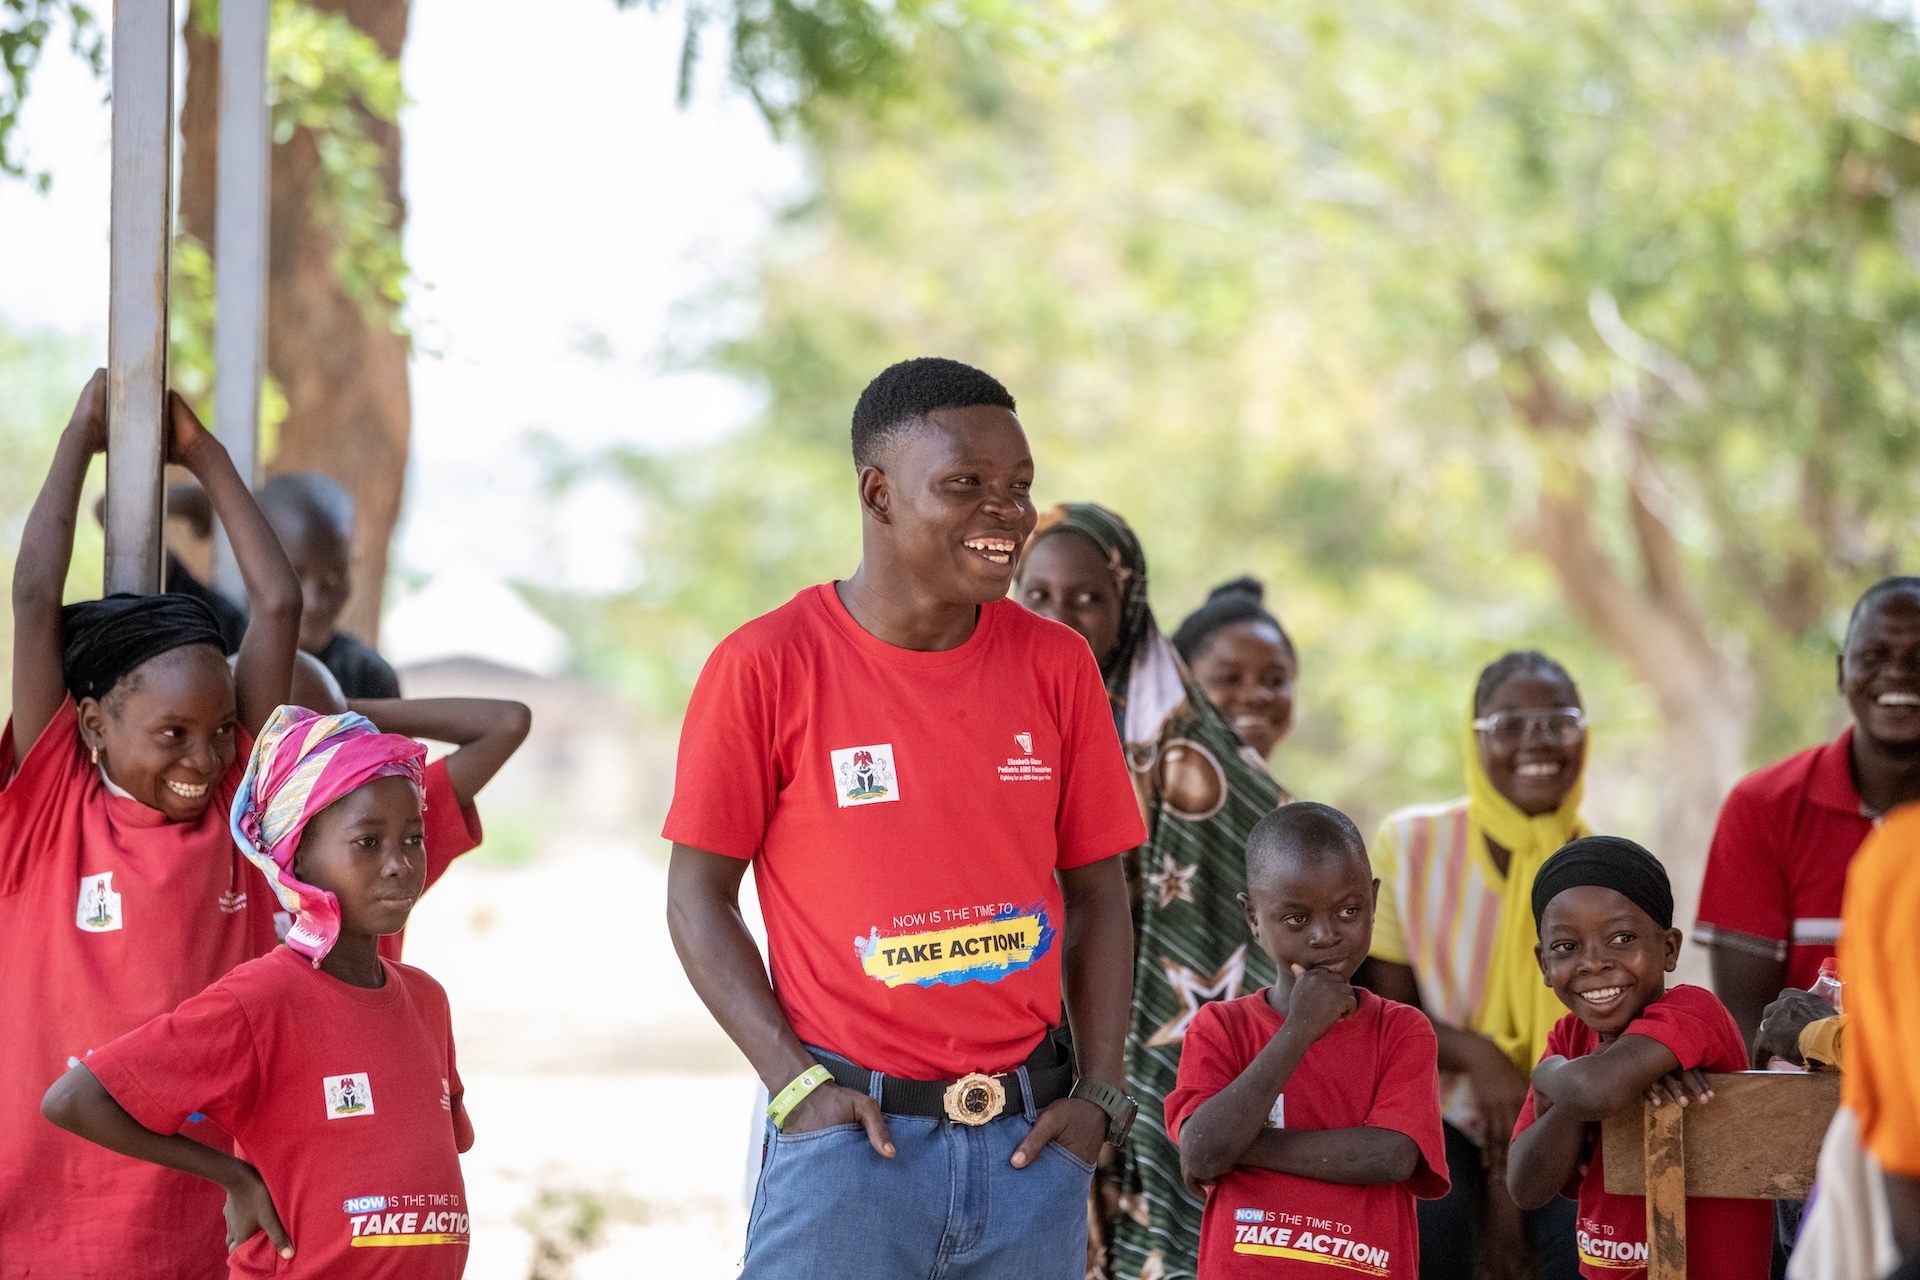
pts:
[1560, 726]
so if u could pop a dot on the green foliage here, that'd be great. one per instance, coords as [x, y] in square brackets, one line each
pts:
[326, 76]
[1334, 294]
[25, 26]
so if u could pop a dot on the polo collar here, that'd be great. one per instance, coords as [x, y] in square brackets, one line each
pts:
[1830, 780]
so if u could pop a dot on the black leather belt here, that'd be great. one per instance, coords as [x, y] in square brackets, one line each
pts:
[973, 1099]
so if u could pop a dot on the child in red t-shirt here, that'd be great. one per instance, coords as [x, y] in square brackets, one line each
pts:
[1311, 1109]
[1604, 912]
[121, 892]
[331, 1066]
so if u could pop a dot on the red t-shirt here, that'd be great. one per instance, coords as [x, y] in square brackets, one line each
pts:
[109, 915]
[346, 1100]
[906, 813]
[1726, 1239]
[452, 829]
[1376, 1070]
[1777, 868]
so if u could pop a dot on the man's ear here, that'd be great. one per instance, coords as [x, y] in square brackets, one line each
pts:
[1246, 909]
[1373, 904]
[876, 495]
[1540, 958]
[1672, 939]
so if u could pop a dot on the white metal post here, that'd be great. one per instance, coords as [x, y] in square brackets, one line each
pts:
[240, 228]
[142, 227]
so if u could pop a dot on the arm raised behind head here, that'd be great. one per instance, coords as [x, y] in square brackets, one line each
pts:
[40, 570]
[264, 672]
[486, 731]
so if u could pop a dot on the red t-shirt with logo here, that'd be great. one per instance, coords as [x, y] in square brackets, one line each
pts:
[1376, 1070]
[906, 813]
[346, 1100]
[109, 915]
[1726, 1239]
[451, 830]
[1777, 869]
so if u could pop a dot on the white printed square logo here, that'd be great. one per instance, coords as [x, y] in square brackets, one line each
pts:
[865, 775]
[348, 1095]
[99, 907]
[1277, 1114]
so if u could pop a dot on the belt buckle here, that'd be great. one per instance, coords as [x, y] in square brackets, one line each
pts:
[974, 1099]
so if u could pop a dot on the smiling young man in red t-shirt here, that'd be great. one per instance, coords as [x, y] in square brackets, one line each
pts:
[927, 782]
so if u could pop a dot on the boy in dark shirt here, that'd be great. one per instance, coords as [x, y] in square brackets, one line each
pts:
[1604, 911]
[1312, 1108]
[314, 517]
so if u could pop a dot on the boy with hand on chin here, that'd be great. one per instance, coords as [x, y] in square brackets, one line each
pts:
[1604, 911]
[1311, 1109]
[332, 1066]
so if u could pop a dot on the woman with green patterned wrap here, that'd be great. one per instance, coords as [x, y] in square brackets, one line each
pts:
[1201, 791]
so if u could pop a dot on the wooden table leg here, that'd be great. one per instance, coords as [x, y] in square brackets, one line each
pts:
[1666, 1193]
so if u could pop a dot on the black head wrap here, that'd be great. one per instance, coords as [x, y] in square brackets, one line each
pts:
[102, 640]
[1612, 863]
[1228, 603]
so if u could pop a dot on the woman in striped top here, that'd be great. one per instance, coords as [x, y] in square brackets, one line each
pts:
[1454, 935]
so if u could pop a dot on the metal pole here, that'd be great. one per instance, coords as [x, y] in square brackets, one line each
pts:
[240, 228]
[142, 226]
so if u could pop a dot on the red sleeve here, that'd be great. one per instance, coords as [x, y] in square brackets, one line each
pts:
[1692, 1024]
[1556, 1048]
[200, 1057]
[1745, 889]
[451, 828]
[1099, 815]
[1407, 1098]
[35, 802]
[725, 779]
[1207, 1066]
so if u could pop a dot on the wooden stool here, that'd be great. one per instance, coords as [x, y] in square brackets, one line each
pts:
[1757, 1140]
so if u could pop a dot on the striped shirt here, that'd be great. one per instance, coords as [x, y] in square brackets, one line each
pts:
[1439, 912]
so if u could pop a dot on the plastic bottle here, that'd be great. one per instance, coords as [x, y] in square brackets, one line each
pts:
[1827, 985]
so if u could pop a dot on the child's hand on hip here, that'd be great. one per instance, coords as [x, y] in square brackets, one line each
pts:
[1319, 1000]
[250, 1211]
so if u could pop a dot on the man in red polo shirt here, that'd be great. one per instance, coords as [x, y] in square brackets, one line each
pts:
[927, 781]
[1770, 904]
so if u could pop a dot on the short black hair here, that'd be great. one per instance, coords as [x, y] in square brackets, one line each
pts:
[1899, 585]
[1241, 600]
[1303, 830]
[311, 496]
[906, 392]
[1528, 662]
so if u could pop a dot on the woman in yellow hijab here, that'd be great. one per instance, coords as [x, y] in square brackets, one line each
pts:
[1454, 935]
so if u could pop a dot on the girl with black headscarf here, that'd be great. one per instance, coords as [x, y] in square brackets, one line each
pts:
[121, 891]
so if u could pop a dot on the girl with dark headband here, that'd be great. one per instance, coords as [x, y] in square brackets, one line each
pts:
[1244, 660]
[121, 891]
[1603, 908]
[1202, 792]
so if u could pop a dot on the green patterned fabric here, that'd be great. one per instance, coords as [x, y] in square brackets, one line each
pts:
[1191, 942]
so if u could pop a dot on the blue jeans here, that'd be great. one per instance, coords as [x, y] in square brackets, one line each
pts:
[948, 1206]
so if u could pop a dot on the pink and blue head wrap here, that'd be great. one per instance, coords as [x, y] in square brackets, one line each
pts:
[302, 762]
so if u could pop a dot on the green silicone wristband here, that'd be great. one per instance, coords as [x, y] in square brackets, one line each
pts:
[795, 1093]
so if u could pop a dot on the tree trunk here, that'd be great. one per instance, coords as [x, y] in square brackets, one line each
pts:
[349, 403]
[1703, 688]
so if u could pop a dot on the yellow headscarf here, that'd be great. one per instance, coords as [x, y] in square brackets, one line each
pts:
[1519, 1008]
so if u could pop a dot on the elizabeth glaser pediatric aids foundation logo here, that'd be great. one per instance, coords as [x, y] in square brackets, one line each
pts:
[864, 775]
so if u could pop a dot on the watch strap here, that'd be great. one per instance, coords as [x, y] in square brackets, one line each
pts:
[1119, 1105]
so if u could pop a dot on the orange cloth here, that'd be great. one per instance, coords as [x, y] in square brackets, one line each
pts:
[1880, 965]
